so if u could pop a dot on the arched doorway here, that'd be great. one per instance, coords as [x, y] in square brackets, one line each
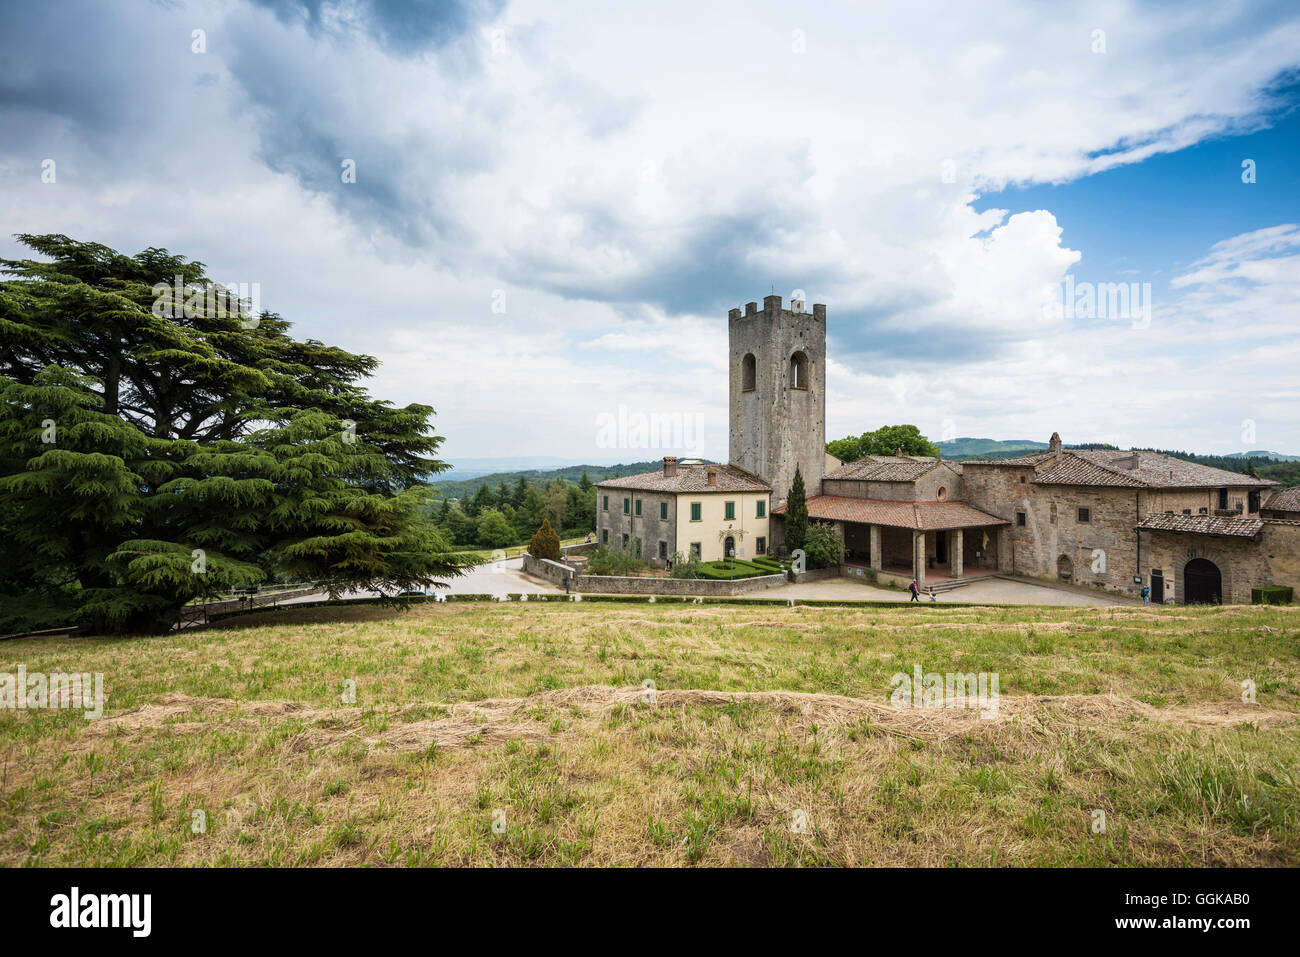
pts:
[1202, 583]
[729, 547]
[1065, 568]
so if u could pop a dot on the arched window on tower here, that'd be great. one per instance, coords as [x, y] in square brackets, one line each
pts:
[798, 371]
[748, 373]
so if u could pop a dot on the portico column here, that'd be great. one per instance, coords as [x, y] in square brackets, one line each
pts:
[918, 556]
[877, 559]
[955, 553]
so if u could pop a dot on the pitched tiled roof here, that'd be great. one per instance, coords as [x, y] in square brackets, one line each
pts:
[887, 468]
[1119, 469]
[1284, 500]
[1031, 459]
[921, 516]
[1203, 525]
[692, 478]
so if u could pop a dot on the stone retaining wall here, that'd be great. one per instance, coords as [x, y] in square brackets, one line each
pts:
[556, 572]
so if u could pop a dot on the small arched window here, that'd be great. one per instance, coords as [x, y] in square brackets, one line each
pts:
[748, 373]
[943, 493]
[798, 371]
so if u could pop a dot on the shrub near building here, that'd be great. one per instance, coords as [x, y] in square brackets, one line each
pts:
[545, 544]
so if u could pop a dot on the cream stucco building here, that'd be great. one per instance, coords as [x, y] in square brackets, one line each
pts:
[715, 511]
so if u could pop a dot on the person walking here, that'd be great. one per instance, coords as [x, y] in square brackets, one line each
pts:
[916, 592]
[1146, 594]
[933, 597]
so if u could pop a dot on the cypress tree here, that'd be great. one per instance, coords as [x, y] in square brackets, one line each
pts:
[796, 513]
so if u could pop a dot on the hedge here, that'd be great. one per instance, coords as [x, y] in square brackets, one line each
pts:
[1271, 595]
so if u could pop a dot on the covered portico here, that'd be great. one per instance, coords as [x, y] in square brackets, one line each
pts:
[933, 541]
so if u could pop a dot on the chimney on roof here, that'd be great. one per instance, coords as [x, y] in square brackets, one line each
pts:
[670, 466]
[713, 477]
[1055, 442]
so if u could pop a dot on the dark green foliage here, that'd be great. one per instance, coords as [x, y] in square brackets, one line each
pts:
[1271, 595]
[686, 566]
[494, 531]
[613, 561]
[796, 513]
[886, 440]
[822, 546]
[148, 459]
[545, 543]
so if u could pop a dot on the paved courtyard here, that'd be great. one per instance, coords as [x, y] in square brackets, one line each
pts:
[992, 590]
[507, 577]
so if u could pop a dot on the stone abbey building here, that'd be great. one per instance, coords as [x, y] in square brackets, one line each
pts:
[1113, 519]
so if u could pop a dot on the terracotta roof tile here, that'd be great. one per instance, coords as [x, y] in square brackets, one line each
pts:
[691, 478]
[1203, 525]
[1119, 469]
[919, 516]
[1284, 500]
[886, 468]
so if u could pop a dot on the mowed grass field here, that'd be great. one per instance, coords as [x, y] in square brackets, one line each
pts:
[516, 734]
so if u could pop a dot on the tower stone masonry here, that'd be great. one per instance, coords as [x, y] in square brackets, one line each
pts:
[777, 393]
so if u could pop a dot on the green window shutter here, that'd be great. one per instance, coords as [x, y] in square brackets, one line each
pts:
[730, 511]
[638, 506]
[607, 503]
[695, 511]
[625, 506]
[762, 508]
[663, 511]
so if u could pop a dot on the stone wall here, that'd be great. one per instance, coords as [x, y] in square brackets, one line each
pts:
[613, 523]
[775, 427]
[941, 483]
[1280, 545]
[1101, 552]
[629, 585]
[1106, 551]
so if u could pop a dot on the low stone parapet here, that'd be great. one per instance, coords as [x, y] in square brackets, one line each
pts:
[558, 572]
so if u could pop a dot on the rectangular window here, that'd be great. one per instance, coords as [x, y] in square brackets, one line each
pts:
[625, 539]
[606, 506]
[760, 545]
[1022, 480]
[604, 536]
[663, 511]
[762, 509]
[626, 506]
[1187, 511]
[638, 506]
[695, 511]
[638, 548]
[695, 550]
[729, 511]
[663, 551]
[1085, 516]
[1253, 499]
[1223, 498]
[1020, 519]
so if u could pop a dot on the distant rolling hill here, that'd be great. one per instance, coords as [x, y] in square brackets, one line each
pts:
[1264, 455]
[466, 486]
[988, 448]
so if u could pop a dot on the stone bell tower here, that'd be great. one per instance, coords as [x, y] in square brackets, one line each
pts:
[777, 394]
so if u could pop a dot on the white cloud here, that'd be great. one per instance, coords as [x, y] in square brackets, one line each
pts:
[626, 175]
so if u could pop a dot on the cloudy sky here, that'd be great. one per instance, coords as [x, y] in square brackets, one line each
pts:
[555, 204]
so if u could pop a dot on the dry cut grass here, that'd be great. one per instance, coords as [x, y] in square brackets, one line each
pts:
[507, 734]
